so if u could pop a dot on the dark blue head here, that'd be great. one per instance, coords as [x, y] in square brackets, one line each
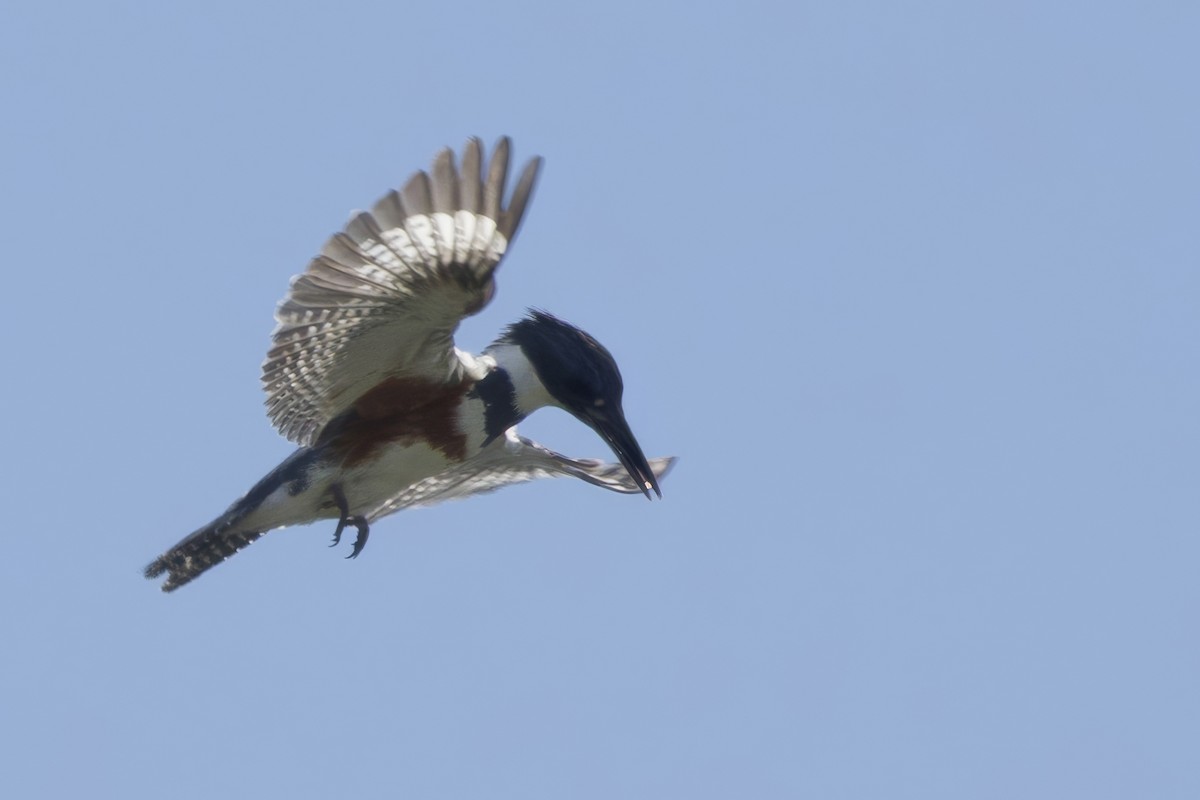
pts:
[582, 377]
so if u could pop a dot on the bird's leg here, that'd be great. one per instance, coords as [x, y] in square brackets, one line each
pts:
[340, 499]
[359, 522]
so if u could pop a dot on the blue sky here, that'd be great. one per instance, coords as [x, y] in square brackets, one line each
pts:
[911, 289]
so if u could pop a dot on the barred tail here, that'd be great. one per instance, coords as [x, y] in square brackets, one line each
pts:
[199, 552]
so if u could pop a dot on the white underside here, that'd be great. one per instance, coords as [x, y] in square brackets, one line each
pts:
[365, 487]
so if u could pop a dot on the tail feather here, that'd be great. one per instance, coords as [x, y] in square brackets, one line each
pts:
[199, 553]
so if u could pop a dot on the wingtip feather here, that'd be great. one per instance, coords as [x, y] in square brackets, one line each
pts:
[510, 220]
[497, 174]
[445, 183]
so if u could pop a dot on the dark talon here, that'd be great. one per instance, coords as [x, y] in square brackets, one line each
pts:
[360, 541]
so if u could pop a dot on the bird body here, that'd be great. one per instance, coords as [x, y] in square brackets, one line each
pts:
[389, 414]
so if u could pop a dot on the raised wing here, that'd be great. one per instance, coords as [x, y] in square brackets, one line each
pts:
[513, 460]
[385, 295]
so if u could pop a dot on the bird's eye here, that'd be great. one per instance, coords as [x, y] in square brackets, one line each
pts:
[598, 402]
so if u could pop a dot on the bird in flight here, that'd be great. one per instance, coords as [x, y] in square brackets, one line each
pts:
[364, 375]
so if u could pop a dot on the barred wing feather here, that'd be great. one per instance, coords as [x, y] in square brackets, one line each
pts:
[510, 461]
[386, 294]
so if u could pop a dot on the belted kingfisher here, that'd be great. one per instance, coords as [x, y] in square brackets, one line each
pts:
[363, 373]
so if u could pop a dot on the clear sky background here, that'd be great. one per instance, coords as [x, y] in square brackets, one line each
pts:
[911, 288]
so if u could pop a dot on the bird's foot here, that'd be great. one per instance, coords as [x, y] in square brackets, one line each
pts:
[357, 521]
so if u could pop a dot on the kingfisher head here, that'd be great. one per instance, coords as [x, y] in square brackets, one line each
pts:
[580, 376]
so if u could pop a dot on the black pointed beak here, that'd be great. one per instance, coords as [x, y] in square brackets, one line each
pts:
[612, 427]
